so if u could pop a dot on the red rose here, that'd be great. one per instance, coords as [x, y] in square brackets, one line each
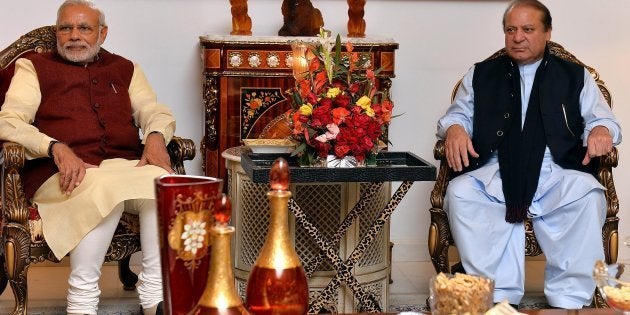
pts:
[362, 120]
[326, 102]
[341, 150]
[374, 130]
[321, 114]
[311, 98]
[356, 110]
[342, 100]
[354, 88]
[366, 144]
[378, 110]
[322, 148]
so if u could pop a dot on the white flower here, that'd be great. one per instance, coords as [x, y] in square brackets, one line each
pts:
[327, 45]
[193, 236]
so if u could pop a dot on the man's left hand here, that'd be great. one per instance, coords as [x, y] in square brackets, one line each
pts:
[155, 153]
[599, 143]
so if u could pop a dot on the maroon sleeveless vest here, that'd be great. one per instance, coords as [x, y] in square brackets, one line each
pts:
[86, 107]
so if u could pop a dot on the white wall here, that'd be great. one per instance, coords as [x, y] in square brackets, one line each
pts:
[439, 41]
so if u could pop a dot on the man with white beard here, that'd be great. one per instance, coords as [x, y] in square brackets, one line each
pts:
[79, 112]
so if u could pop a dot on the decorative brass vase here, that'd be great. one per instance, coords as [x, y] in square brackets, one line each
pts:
[220, 296]
[277, 282]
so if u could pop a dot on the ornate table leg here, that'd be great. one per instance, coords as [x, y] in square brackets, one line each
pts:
[366, 302]
[325, 245]
[358, 208]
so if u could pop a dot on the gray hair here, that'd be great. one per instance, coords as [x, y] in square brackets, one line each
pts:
[87, 3]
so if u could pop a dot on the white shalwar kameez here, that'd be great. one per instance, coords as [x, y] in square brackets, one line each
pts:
[568, 209]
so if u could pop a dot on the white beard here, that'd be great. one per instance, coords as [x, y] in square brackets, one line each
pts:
[82, 56]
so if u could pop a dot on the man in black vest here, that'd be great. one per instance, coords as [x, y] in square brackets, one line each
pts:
[523, 131]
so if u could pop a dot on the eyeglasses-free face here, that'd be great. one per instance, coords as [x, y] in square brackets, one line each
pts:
[525, 34]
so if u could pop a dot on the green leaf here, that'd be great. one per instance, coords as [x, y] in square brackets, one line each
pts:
[297, 100]
[299, 149]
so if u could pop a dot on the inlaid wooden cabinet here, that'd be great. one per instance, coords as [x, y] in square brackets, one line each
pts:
[244, 83]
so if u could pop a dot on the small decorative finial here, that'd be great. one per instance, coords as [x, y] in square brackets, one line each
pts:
[279, 175]
[241, 22]
[223, 213]
[356, 22]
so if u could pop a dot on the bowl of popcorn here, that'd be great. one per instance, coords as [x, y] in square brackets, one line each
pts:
[613, 283]
[460, 294]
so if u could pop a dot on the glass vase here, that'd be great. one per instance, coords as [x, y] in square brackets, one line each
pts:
[185, 207]
[277, 282]
[220, 296]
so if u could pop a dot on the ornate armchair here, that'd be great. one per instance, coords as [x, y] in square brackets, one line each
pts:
[440, 238]
[21, 238]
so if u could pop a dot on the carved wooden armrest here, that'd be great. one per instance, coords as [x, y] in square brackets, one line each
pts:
[443, 176]
[14, 208]
[607, 162]
[439, 151]
[180, 150]
[12, 157]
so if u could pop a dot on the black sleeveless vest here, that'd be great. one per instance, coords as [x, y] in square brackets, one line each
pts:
[496, 84]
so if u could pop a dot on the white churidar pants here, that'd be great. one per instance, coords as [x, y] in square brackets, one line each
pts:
[87, 258]
[84, 222]
[568, 213]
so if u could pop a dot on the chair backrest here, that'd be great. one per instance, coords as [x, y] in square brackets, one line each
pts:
[556, 50]
[40, 40]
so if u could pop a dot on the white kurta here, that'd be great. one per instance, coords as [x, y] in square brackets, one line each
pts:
[67, 219]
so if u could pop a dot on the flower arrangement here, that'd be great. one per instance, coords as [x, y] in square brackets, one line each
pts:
[337, 107]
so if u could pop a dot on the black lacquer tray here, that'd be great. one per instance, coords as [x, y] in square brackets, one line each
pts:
[390, 166]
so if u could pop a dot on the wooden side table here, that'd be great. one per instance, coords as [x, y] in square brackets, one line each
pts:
[328, 204]
[404, 167]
